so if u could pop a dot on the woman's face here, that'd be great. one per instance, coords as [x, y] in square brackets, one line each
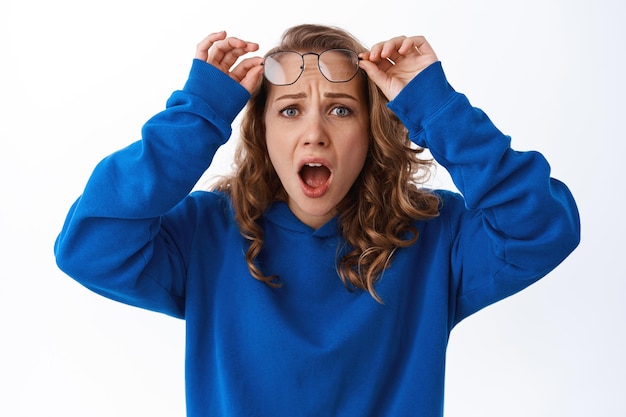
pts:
[317, 138]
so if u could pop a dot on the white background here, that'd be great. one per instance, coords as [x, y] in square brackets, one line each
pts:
[78, 79]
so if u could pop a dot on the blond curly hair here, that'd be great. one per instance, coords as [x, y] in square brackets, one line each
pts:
[378, 214]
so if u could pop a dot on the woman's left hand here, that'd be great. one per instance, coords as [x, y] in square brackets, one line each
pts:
[394, 63]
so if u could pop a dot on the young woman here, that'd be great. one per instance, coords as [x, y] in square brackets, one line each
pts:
[319, 278]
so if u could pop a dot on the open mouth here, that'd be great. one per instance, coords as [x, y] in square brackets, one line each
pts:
[315, 178]
[314, 175]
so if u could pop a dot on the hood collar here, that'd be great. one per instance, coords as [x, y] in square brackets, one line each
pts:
[280, 214]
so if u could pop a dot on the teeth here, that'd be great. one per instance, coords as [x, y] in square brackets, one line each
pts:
[314, 165]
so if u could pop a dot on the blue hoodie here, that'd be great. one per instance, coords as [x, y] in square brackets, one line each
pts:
[312, 348]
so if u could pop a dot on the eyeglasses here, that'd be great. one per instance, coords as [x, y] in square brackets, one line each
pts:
[286, 67]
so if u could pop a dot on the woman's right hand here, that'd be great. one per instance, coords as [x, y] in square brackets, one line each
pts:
[222, 52]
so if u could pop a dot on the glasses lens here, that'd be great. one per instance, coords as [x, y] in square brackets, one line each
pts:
[283, 68]
[339, 65]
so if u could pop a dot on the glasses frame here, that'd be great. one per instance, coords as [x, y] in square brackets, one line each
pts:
[318, 55]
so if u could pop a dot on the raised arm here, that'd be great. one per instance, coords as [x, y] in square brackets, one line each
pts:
[114, 233]
[519, 223]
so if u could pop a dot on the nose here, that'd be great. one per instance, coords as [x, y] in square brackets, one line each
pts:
[315, 132]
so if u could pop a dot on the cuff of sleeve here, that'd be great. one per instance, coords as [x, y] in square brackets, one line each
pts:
[422, 97]
[225, 96]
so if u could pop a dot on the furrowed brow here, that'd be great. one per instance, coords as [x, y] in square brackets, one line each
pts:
[340, 95]
[291, 96]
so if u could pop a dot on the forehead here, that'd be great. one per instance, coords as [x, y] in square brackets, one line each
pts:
[305, 67]
[312, 83]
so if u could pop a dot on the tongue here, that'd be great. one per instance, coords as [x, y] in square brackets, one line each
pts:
[314, 176]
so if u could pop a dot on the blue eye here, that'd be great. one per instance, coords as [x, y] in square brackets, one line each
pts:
[289, 112]
[341, 111]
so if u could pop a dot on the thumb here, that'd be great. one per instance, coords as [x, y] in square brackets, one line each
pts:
[253, 79]
[378, 76]
[373, 72]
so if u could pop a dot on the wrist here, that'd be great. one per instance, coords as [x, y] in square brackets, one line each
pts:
[223, 94]
[423, 96]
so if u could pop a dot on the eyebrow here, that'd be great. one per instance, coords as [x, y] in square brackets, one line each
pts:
[291, 96]
[327, 95]
[340, 95]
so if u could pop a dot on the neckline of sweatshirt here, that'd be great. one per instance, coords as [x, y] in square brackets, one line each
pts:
[281, 215]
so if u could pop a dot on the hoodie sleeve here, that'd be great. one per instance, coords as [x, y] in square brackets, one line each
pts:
[518, 222]
[115, 228]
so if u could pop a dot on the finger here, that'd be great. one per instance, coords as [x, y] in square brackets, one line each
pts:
[389, 50]
[374, 71]
[374, 54]
[245, 66]
[380, 64]
[253, 78]
[221, 48]
[409, 45]
[226, 52]
[202, 49]
[391, 47]
[424, 47]
[397, 48]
